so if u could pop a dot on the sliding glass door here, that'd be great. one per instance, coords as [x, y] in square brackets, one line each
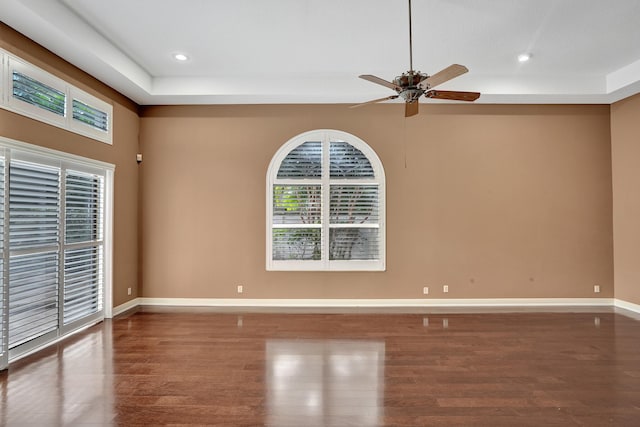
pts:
[4, 290]
[52, 243]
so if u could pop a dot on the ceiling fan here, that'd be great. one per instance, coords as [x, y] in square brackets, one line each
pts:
[411, 85]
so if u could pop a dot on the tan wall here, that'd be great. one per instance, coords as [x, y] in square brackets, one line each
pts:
[495, 201]
[121, 153]
[625, 147]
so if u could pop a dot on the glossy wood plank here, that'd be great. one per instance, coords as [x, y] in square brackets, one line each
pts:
[201, 367]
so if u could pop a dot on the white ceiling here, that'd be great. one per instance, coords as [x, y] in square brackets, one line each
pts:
[311, 51]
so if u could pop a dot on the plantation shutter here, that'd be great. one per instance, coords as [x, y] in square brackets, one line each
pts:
[297, 205]
[52, 246]
[3, 312]
[34, 212]
[354, 222]
[38, 94]
[353, 229]
[325, 206]
[303, 162]
[83, 245]
[348, 162]
[90, 116]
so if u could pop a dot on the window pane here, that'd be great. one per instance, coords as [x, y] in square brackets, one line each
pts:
[2, 325]
[353, 244]
[83, 201]
[296, 244]
[353, 204]
[1, 206]
[33, 205]
[348, 162]
[2, 282]
[33, 296]
[82, 283]
[305, 161]
[39, 94]
[90, 116]
[297, 204]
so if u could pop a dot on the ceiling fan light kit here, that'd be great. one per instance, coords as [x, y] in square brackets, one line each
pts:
[411, 85]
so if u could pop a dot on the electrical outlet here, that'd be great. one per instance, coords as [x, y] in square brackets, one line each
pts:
[425, 290]
[240, 289]
[445, 288]
[596, 288]
[128, 291]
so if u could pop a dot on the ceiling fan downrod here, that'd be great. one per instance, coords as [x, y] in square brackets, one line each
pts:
[410, 42]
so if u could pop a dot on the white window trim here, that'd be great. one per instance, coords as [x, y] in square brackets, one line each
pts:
[24, 108]
[325, 135]
[11, 62]
[83, 128]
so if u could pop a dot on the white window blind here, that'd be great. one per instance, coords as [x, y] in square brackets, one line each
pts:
[3, 318]
[83, 207]
[348, 162]
[82, 282]
[325, 205]
[34, 223]
[36, 93]
[33, 296]
[34, 203]
[298, 209]
[90, 116]
[83, 268]
[303, 162]
[354, 227]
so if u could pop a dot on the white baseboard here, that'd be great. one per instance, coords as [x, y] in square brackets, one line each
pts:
[126, 306]
[626, 305]
[380, 303]
[333, 303]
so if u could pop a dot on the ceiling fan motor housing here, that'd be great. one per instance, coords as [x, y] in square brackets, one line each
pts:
[408, 85]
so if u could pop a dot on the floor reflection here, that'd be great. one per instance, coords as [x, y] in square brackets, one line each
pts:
[322, 382]
[72, 385]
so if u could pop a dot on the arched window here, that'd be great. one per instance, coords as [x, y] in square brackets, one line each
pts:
[325, 204]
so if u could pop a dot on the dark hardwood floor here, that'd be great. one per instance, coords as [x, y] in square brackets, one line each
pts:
[198, 367]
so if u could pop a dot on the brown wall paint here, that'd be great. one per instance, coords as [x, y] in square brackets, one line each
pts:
[495, 201]
[625, 147]
[121, 153]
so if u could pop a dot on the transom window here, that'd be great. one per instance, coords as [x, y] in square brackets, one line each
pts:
[28, 90]
[325, 204]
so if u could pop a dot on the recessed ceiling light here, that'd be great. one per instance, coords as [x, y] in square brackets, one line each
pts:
[180, 57]
[524, 57]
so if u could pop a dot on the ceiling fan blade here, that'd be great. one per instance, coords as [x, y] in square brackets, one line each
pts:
[451, 72]
[411, 109]
[378, 80]
[386, 98]
[453, 95]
